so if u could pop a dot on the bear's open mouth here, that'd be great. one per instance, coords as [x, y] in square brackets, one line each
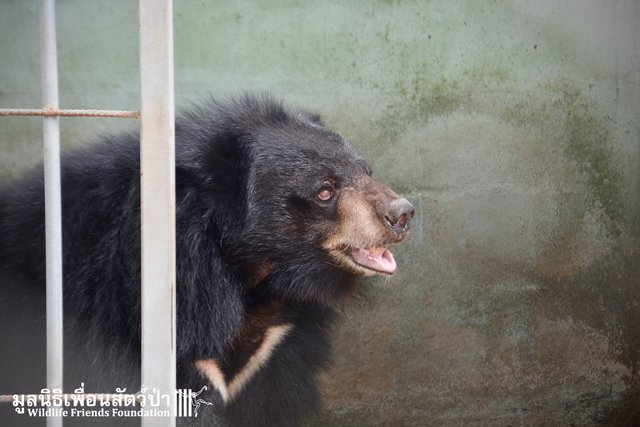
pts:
[376, 258]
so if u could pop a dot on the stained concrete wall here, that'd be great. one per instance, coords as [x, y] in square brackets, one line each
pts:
[513, 126]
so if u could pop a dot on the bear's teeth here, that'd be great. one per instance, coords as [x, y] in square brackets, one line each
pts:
[375, 250]
[378, 259]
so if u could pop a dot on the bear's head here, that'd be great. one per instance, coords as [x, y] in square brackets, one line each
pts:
[298, 211]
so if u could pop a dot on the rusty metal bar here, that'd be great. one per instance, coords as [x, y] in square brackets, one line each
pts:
[157, 163]
[53, 204]
[51, 112]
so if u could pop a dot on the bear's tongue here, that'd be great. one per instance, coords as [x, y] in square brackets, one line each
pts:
[378, 259]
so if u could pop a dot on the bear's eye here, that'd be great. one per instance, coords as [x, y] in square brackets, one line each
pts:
[326, 192]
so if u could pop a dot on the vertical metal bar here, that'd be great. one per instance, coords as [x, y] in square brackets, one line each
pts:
[157, 201]
[53, 203]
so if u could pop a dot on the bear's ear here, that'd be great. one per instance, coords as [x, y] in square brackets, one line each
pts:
[218, 163]
[311, 118]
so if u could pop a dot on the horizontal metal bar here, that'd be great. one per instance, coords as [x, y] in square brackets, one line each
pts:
[54, 112]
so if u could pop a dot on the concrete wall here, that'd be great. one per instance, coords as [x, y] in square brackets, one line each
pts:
[513, 126]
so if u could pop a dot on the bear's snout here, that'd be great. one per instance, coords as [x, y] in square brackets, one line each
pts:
[398, 215]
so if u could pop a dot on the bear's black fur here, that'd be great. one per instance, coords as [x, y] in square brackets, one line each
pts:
[276, 217]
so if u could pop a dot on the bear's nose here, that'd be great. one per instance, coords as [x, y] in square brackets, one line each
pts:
[399, 215]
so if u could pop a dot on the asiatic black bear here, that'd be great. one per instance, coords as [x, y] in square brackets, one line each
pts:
[277, 216]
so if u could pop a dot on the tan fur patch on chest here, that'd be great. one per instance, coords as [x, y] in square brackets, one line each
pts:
[262, 334]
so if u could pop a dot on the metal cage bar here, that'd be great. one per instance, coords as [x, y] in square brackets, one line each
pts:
[53, 204]
[157, 193]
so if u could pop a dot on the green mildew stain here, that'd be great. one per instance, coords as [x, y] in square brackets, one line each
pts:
[424, 95]
[430, 91]
[424, 90]
[587, 260]
[588, 142]
[564, 117]
[486, 75]
[443, 97]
